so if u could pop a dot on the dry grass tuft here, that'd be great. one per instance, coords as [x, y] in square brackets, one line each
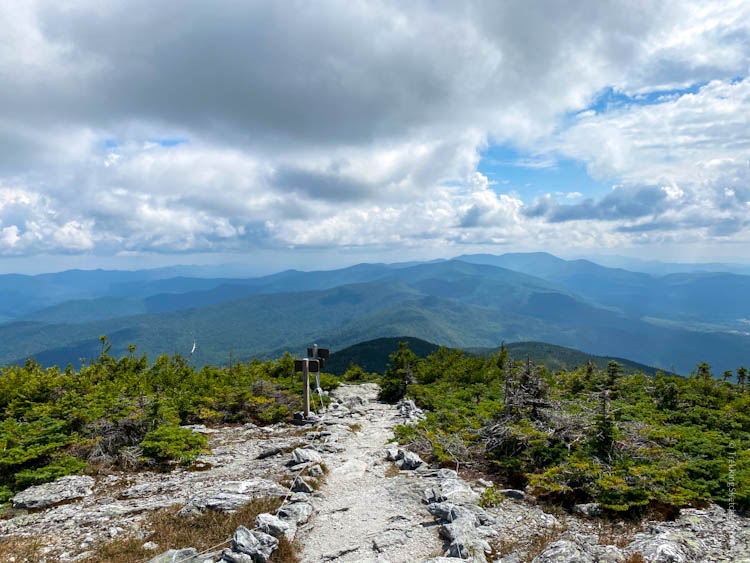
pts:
[171, 531]
[392, 470]
[634, 558]
[531, 547]
[20, 550]
[619, 537]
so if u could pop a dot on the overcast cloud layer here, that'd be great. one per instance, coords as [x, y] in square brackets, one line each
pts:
[147, 126]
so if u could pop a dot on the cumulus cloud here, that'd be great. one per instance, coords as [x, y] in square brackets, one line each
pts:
[136, 126]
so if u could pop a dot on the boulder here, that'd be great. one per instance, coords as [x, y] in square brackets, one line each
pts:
[607, 554]
[257, 545]
[409, 461]
[676, 546]
[174, 555]
[65, 488]
[462, 530]
[409, 410]
[443, 511]
[236, 557]
[299, 497]
[563, 551]
[393, 454]
[298, 512]
[272, 525]
[306, 455]
[449, 512]
[457, 490]
[475, 549]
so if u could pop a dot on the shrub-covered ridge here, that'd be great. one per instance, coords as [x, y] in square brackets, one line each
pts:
[627, 441]
[128, 412]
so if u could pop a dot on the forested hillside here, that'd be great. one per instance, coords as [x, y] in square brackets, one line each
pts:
[372, 356]
[577, 304]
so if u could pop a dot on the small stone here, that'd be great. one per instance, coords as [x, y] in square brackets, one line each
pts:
[301, 486]
[269, 452]
[315, 471]
[150, 546]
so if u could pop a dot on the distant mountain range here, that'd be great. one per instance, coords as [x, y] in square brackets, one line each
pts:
[473, 301]
[372, 355]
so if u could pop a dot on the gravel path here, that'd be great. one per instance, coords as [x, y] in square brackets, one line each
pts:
[362, 515]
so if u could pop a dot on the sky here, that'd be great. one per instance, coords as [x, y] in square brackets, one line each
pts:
[147, 133]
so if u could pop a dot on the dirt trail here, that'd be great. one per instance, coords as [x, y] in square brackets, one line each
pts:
[363, 515]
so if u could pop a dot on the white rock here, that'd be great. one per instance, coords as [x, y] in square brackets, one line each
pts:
[306, 455]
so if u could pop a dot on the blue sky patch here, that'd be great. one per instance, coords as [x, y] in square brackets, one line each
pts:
[536, 175]
[169, 142]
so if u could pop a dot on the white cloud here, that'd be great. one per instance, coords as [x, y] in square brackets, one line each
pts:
[356, 124]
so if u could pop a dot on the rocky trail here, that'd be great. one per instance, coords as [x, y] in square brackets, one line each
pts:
[374, 503]
[362, 514]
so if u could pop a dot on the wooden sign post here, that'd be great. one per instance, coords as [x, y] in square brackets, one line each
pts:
[315, 363]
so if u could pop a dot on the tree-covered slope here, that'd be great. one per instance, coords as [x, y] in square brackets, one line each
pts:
[372, 355]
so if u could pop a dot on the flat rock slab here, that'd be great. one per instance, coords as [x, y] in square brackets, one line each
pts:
[351, 469]
[63, 489]
[232, 495]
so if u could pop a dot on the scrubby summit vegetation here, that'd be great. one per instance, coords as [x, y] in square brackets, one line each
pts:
[127, 412]
[628, 441]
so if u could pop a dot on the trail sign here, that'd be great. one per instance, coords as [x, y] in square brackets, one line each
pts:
[318, 353]
[314, 363]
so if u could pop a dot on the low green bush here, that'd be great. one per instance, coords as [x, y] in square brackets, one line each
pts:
[112, 411]
[171, 442]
